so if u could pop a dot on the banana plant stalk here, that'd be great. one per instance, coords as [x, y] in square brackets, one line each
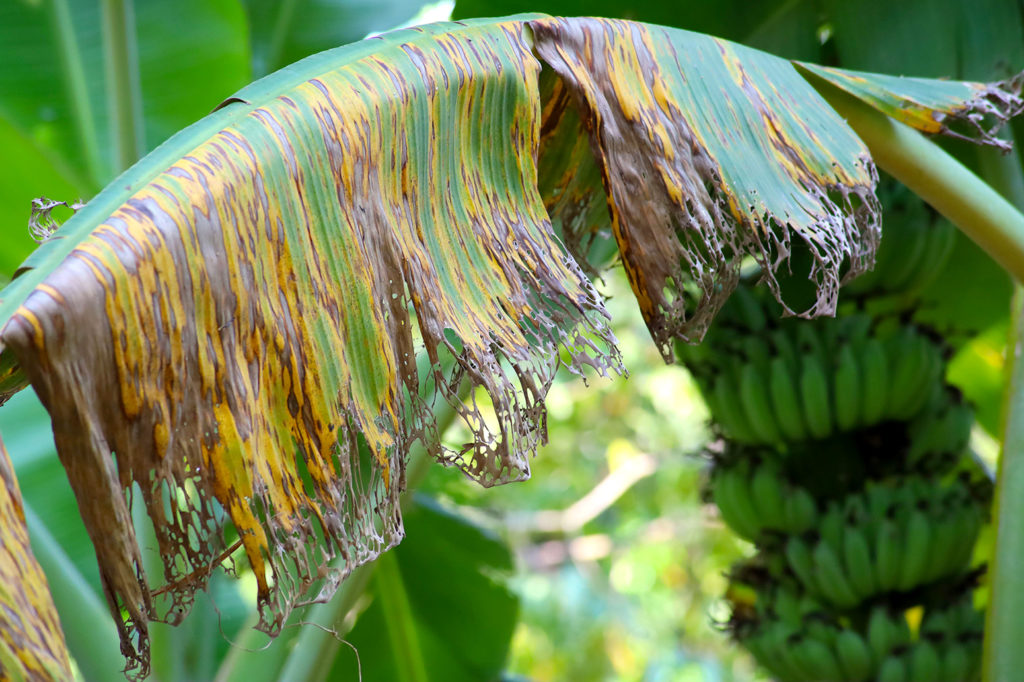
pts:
[1004, 627]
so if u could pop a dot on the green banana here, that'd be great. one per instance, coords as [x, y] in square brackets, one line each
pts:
[848, 396]
[902, 269]
[757, 351]
[767, 657]
[778, 640]
[854, 509]
[893, 669]
[819, 627]
[928, 379]
[879, 500]
[798, 556]
[909, 366]
[817, 658]
[727, 410]
[956, 662]
[787, 606]
[814, 395]
[831, 528]
[731, 493]
[757, 405]
[857, 560]
[833, 583]
[920, 379]
[924, 664]
[969, 522]
[875, 384]
[915, 549]
[942, 546]
[887, 554]
[786, 400]
[880, 633]
[925, 433]
[801, 511]
[939, 246]
[926, 382]
[854, 656]
[956, 427]
[784, 347]
[769, 501]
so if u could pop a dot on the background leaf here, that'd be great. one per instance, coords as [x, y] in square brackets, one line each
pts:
[980, 41]
[284, 32]
[461, 612]
[53, 115]
[761, 24]
[32, 646]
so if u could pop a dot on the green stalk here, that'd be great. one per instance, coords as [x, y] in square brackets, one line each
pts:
[1003, 655]
[85, 619]
[953, 190]
[1003, 627]
[73, 68]
[124, 89]
[316, 647]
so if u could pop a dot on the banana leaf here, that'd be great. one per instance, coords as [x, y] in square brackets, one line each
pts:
[32, 643]
[242, 325]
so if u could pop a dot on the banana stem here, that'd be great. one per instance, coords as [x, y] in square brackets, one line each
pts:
[73, 68]
[1003, 657]
[124, 88]
[953, 190]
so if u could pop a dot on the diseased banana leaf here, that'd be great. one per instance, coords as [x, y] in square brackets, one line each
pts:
[697, 138]
[31, 641]
[932, 106]
[245, 324]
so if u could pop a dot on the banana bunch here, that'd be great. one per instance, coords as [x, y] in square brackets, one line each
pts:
[916, 245]
[892, 537]
[947, 645]
[772, 381]
[787, 631]
[754, 498]
[797, 639]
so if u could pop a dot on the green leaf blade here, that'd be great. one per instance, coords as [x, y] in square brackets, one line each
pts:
[32, 644]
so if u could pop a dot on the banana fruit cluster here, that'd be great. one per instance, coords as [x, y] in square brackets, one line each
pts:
[772, 381]
[895, 536]
[798, 638]
[755, 498]
[842, 458]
